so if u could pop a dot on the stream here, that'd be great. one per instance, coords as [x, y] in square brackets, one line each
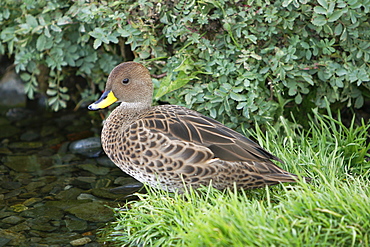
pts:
[57, 188]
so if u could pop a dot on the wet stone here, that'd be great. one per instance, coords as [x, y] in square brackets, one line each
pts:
[4, 241]
[22, 163]
[8, 131]
[65, 158]
[76, 224]
[4, 121]
[28, 195]
[63, 149]
[48, 188]
[124, 180]
[10, 185]
[80, 241]
[55, 239]
[66, 204]
[16, 239]
[103, 183]
[13, 219]
[25, 145]
[20, 227]
[89, 180]
[105, 161]
[30, 135]
[128, 187]
[4, 214]
[34, 185]
[84, 182]
[47, 211]
[104, 193]
[20, 114]
[24, 178]
[89, 147]
[12, 89]
[31, 201]
[47, 130]
[12, 193]
[55, 141]
[41, 224]
[70, 194]
[85, 196]
[97, 170]
[92, 211]
[5, 151]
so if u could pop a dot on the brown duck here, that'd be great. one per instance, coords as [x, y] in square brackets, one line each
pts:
[167, 146]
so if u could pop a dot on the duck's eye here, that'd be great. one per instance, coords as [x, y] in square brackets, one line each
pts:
[125, 81]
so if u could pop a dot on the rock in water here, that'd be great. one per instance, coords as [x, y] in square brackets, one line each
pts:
[90, 147]
[12, 91]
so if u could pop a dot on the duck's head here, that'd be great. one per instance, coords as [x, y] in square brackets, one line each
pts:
[129, 82]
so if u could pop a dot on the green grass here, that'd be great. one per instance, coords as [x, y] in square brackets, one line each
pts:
[333, 210]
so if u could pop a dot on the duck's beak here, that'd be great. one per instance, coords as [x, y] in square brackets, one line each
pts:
[104, 101]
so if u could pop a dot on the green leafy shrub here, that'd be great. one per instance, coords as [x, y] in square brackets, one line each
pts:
[231, 59]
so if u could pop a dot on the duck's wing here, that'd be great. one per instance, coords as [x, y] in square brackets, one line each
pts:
[180, 123]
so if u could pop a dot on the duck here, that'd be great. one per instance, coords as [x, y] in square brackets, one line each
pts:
[172, 147]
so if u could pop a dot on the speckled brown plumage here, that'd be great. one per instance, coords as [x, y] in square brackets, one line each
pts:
[166, 146]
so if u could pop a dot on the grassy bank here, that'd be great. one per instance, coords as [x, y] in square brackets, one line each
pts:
[333, 210]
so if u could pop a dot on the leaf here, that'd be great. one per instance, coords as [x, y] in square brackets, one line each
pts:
[338, 29]
[362, 75]
[319, 20]
[341, 72]
[323, 3]
[31, 21]
[252, 38]
[169, 85]
[298, 99]
[63, 89]
[305, 45]
[97, 43]
[238, 97]
[339, 83]
[25, 77]
[241, 105]
[40, 43]
[286, 3]
[308, 78]
[292, 91]
[359, 102]
[343, 37]
[64, 20]
[264, 70]
[55, 28]
[53, 100]
[335, 16]
[308, 54]
[320, 10]
[359, 54]
[113, 39]
[331, 7]
[47, 32]
[51, 92]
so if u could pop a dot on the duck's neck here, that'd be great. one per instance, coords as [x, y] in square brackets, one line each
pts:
[134, 106]
[125, 114]
[120, 118]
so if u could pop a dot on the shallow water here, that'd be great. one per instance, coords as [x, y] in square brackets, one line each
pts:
[50, 193]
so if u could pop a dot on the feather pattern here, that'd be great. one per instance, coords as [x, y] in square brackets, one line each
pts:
[170, 146]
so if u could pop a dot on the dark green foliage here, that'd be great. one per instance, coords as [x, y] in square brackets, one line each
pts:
[231, 59]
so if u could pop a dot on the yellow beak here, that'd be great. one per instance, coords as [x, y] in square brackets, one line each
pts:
[104, 101]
